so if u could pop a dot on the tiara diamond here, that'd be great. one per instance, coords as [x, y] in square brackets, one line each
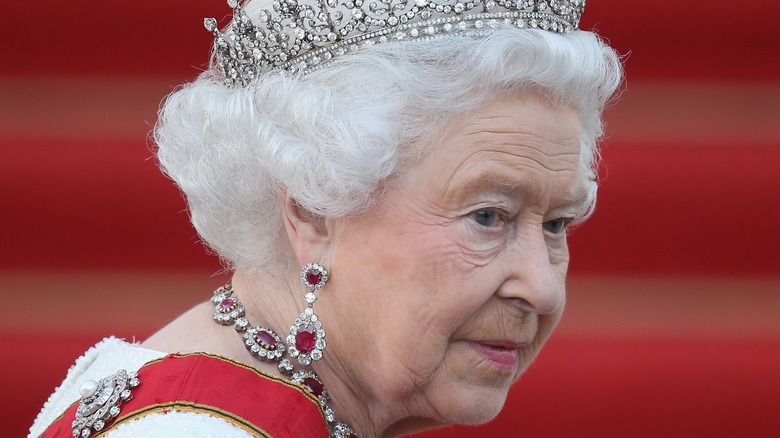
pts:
[301, 36]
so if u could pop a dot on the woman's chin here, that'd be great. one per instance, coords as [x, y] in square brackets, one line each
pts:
[480, 413]
[472, 405]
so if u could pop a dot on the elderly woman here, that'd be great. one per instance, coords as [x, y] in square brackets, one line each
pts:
[391, 184]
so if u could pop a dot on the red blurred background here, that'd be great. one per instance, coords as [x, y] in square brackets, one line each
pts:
[673, 322]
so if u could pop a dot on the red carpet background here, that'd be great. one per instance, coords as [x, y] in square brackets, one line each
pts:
[673, 321]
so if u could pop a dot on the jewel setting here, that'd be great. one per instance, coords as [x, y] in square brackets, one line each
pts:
[308, 340]
[312, 383]
[100, 402]
[264, 343]
[301, 36]
[227, 310]
[314, 276]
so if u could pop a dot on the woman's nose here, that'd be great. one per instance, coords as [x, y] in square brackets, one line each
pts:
[530, 277]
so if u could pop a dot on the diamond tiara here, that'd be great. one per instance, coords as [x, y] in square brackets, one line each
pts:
[301, 36]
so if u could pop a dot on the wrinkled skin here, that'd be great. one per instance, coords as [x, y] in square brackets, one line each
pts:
[446, 291]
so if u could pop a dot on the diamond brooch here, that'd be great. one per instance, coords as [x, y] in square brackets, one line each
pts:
[100, 402]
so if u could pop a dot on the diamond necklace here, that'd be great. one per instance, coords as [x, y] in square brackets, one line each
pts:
[264, 344]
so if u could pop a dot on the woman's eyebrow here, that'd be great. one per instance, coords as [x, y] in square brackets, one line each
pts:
[485, 182]
[578, 200]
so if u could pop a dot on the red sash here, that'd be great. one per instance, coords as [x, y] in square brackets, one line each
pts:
[261, 404]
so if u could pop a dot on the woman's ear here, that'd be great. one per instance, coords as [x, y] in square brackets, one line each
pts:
[309, 233]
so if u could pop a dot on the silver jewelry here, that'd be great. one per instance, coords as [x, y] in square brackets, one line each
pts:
[227, 310]
[264, 344]
[100, 401]
[306, 341]
[301, 36]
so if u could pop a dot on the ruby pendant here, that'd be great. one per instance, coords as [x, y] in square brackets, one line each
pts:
[305, 339]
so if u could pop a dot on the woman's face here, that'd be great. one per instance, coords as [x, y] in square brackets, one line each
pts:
[447, 289]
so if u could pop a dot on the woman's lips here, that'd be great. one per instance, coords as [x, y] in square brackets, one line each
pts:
[502, 354]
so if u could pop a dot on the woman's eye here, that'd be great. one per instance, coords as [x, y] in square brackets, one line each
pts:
[486, 218]
[554, 226]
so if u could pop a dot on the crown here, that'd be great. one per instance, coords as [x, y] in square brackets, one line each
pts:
[301, 36]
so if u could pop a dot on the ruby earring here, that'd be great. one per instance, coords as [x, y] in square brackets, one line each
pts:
[307, 337]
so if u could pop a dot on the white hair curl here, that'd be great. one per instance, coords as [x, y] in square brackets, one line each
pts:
[330, 138]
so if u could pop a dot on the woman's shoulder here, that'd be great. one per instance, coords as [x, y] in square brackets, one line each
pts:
[200, 388]
[190, 332]
[101, 360]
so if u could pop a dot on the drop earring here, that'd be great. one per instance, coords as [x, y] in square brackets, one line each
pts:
[306, 341]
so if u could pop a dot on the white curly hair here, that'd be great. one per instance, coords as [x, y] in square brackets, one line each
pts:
[330, 138]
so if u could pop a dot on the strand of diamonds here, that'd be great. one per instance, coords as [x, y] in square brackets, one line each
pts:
[266, 345]
[467, 25]
[101, 402]
[301, 35]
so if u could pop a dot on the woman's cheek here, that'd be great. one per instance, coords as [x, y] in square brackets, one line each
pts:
[478, 247]
[558, 250]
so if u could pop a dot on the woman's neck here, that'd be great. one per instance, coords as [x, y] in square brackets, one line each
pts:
[275, 301]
